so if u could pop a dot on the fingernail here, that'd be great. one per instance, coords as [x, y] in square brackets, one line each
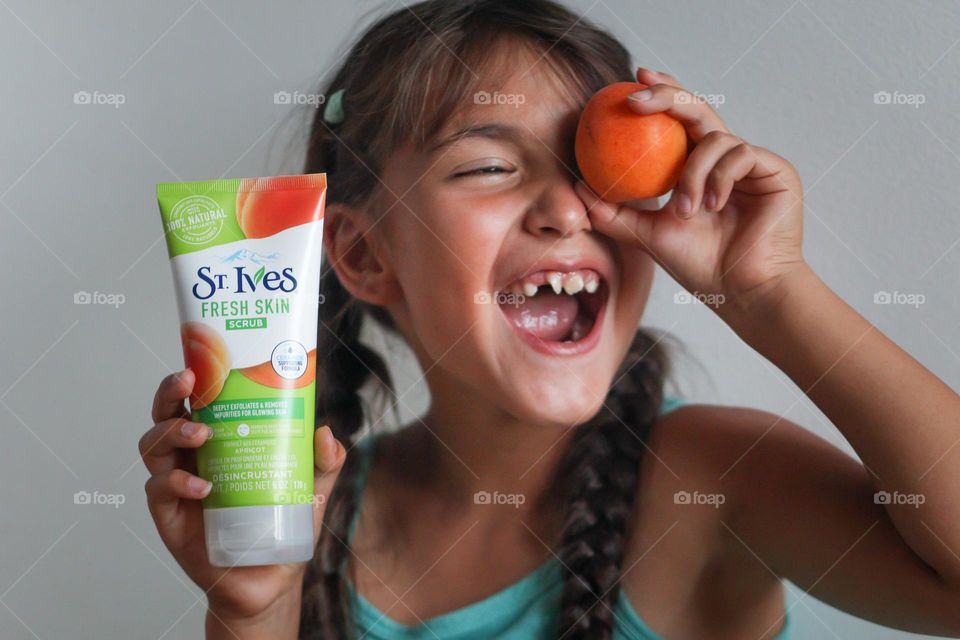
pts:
[640, 96]
[684, 204]
[209, 432]
[199, 485]
[327, 439]
[190, 429]
[711, 200]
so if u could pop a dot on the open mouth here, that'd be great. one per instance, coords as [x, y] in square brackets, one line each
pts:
[556, 311]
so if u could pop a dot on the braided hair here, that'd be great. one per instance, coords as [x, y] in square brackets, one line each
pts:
[428, 44]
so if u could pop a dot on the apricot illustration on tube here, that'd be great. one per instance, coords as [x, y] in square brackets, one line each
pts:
[207, 355]
[265, 374]
[263, 209]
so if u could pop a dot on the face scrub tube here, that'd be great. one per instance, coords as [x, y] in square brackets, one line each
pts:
[246, 257]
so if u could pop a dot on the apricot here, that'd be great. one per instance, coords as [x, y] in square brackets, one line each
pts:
[206, 354]
[264, 374]
[624, 155]
[266, 206]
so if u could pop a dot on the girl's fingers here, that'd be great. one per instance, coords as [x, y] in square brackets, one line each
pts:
[164, 492]
[649, 77]
[169, 399]
[621, 223]
[158, 446]
[735, 165]
[696, 116]
[691, 191]
[329, 456]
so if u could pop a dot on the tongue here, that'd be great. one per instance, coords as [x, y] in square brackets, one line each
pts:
[547, 315]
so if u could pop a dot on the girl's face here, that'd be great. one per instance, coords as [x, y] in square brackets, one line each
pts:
[484, 225]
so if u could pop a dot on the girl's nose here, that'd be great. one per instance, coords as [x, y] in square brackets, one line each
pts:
[558, 211]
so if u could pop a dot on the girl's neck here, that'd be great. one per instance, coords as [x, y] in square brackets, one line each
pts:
[475, 447]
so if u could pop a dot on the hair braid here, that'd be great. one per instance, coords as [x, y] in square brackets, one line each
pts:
[599, 478]
[345, 365]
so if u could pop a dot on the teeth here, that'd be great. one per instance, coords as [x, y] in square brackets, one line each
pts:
[570, 283]
[555, 280]
[573, 284]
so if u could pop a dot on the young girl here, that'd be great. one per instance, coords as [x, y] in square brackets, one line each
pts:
[551, 491]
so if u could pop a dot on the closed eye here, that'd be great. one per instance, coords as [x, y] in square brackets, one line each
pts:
[482, 171]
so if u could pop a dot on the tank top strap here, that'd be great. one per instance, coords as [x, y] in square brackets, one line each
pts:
[670, 403]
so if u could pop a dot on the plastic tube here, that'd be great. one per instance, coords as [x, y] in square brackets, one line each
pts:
[246, 255]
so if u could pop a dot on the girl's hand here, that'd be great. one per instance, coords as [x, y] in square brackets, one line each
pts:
[733, 225]
[174, 491]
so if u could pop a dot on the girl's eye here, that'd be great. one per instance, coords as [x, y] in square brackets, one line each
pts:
[483, 171]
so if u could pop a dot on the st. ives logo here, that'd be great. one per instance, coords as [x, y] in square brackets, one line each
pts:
[242, 280]
[196, 219]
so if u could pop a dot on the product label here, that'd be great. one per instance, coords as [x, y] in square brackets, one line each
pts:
[246, 261]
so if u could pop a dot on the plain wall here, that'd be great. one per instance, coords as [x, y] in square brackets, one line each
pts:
[77, 213]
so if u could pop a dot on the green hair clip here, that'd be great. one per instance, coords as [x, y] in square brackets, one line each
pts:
[333, 110]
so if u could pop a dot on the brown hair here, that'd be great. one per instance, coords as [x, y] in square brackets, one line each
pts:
[402, 80]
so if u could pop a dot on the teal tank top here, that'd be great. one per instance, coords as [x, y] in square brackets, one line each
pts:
[525, 610]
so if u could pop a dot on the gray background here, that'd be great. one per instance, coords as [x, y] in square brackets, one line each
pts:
[198, 78]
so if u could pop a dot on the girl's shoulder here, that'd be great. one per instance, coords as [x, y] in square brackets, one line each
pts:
[679, 548]
[710, 440]
[721, 449]
[704, 462]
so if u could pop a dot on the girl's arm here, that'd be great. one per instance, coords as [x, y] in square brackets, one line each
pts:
[902, 420]
[799, 508]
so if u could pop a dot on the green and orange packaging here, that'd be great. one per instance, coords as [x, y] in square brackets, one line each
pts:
[246, 257]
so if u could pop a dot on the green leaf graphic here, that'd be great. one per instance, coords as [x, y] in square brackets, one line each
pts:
[258, 276]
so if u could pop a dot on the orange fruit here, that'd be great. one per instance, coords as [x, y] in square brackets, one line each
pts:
[624, 155]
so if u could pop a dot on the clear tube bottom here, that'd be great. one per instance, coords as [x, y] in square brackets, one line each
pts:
[246, 536]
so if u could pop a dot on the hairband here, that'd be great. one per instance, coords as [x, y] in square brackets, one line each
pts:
[333, 110]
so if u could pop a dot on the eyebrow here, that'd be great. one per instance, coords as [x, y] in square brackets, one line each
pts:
[491, 130]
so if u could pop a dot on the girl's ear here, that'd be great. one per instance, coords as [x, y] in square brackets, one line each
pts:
[353, 253]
